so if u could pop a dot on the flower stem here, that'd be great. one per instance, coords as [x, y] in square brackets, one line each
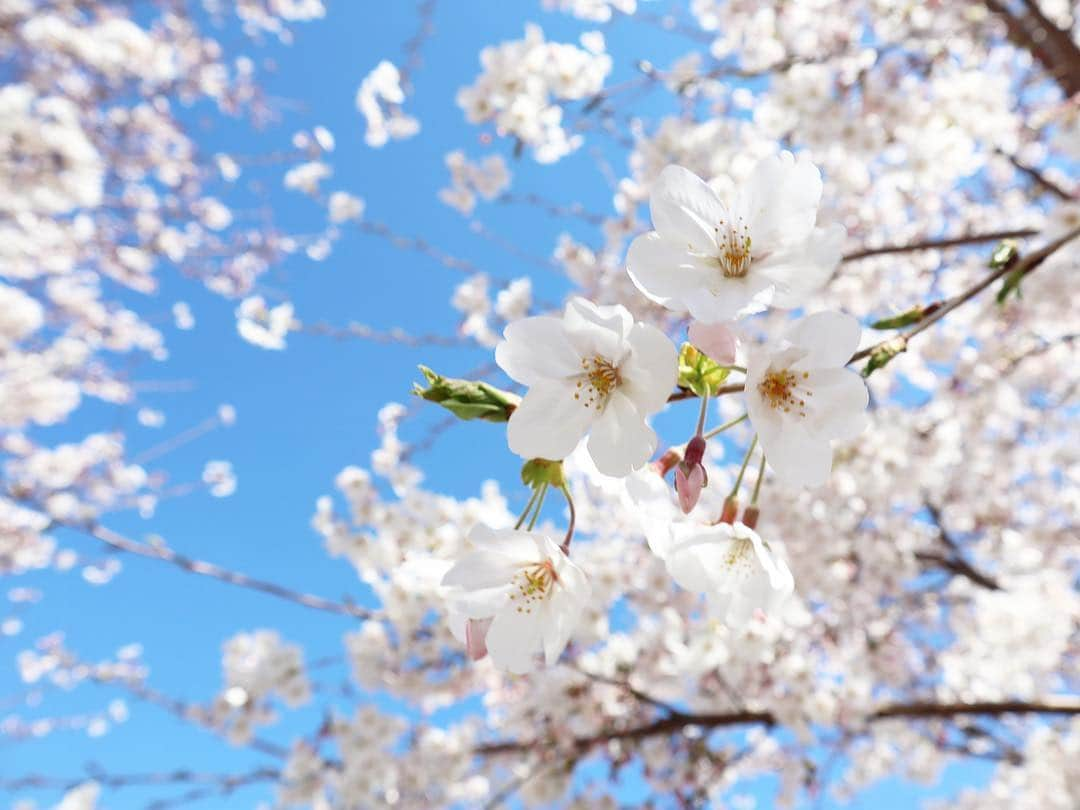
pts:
[525, 511]
[757, 483]
[739, 369]
[703, 413]
[723, 427]
[742, 469]
[573, 518]
[539, 505]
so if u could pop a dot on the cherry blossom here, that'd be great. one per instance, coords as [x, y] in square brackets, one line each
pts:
[801, 398]
[719, 258]
[515, 595]
[592, 371]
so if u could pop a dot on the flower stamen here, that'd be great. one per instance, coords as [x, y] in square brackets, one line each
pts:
[598, 379]
[783, 392]
[534, 583]
[733, 243]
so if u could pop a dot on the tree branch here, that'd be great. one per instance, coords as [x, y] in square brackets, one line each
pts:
[207, 569]
[676, 723]
[938, 244]
[955, 561]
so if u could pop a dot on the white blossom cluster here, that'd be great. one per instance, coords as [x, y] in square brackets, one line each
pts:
[258, 667]
[524, 84]
[379, 100]
[487, 178]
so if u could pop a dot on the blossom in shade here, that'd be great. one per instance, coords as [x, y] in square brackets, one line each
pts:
[800, 396]
[721, 258]
[737, 571]
[515, 595]
[591, 371]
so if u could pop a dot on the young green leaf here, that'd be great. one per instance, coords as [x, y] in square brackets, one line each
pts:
[698, 373]
[467, 399]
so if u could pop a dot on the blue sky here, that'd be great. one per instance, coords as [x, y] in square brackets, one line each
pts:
[308, 411]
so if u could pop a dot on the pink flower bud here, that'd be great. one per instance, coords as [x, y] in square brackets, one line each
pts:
[476, 631]
[689, 485]
[715, 339]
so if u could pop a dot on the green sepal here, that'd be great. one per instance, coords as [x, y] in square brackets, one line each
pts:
[539, 471]
[467, 399]
[698, 373]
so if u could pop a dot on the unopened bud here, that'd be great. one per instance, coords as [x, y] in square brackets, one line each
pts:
[688, 485]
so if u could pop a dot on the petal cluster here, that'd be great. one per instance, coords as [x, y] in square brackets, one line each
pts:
[591, 371]
[800, 396]
[515, 595]
[719, 259]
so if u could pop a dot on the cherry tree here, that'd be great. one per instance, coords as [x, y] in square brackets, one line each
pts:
[800, 469]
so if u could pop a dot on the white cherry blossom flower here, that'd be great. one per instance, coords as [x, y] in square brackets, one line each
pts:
[736, 570]
[732, 566]
[800, 396]
[516, 594]
[593, 370]
[721, 258]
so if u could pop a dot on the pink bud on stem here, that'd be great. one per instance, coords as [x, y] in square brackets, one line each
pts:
[690, 475]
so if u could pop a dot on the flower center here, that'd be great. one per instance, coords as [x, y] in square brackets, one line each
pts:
[532, 584]
[733, 247]
[783, 390]
[599, 377]
[740, 555]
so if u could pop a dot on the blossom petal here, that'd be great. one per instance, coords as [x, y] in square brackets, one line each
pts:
[549, 422]
[685, 209]
[651, 370]
[799, 270]
[666, 272]
[830, 339]
[715, 339]
[514, 638]
[839, 403]
[537, 349]
[597, 331]
[621, 440]
[731, 298]
[779, 201]
[481, 569]
[518, 545]
[797, 457]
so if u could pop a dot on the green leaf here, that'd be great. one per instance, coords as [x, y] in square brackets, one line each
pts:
[904, 318]
[467, 399]
[698, 373]
[1004, 256]
[883, 355]
[539, 471]
[1007, 252]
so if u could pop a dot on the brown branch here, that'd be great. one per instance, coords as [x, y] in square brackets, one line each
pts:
[937, 244]
[676, 723]
[1039, 178]
[223, 781]
[1051, 47]
[207, 569]
[1021, 268]
[955, 561]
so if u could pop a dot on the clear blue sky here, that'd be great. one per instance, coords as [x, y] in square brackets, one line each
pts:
[308, 411]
